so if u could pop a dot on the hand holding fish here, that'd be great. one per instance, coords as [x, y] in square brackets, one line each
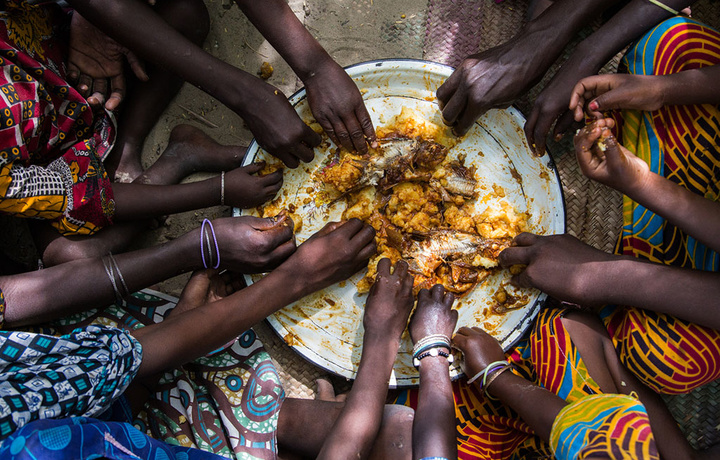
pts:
[390, 301]
[434, 314]
[603, 159]
[563, 267]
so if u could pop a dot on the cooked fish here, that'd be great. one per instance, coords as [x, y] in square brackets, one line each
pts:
[460, 248]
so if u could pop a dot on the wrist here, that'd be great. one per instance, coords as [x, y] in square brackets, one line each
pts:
[188, 249]
[318, 63]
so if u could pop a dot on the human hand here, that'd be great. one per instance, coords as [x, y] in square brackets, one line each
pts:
[433, 314]
[552, 104]
[562, 266]
[245, 190]
[206, 286]
[615, 166]
[93, 59]
[253, 245]
[339, 108]
[276, 126]
[333, 254]
[616, 91]
[491, 79]
[390, 300]
[479, 349]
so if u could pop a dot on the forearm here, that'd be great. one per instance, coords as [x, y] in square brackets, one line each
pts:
[536, 406]
[184, 337]
[434, 424]
[278, 24]
[553, 29]
[140, 201]
[624, 27]
[58, 291]
[692, 295]
[694, 214]
[136, 26]
[359, 422]
[692, 87]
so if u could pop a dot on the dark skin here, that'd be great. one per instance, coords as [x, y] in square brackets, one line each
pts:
[570, 270]
[434, 426]
[156, 193]
[276, 127]
[497, 77]
[539, 407]
[588, 58]
[303, 425]
[98, 61]
[247, 245]
[386, 313]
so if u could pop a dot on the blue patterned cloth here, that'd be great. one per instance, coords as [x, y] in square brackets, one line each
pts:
[78, 374]
[82, 438]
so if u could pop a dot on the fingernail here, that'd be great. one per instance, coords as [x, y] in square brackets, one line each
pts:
[594, 105]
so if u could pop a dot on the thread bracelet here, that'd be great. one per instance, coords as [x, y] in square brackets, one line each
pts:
[664, 6]
[490, 367]
[435, 351]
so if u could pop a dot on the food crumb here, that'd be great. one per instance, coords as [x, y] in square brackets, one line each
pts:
[266, 70]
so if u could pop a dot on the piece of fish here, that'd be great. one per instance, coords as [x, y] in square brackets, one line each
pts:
[456, 248]
[459, 180]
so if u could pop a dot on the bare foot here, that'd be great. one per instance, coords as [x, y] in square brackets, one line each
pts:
[326, 392]
[190, 150]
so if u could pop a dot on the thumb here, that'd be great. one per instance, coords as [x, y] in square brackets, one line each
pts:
[270, 223]
[252, 168]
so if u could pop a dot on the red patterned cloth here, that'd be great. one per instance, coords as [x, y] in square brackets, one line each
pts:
[51, 143]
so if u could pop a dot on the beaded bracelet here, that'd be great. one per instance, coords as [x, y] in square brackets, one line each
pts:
[431, 345]
[432, 338]
[222, 188]
[433, 352]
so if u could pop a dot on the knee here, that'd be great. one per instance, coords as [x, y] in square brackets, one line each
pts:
[189, 17]
[63, 250]
[395, 437]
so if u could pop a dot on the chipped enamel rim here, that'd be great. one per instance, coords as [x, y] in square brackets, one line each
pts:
[382, 82]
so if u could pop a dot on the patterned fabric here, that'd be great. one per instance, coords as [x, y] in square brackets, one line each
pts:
[51, 143]
[603, 426]
[81, 373]
[681, 143]
[82, 438]
[227, 403]
[489, 430]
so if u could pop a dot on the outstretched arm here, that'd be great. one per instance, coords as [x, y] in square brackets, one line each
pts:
[386, 313]
[645, 92]
[496, 77]
[334, 98]
[247, 245]
[434, 433]
[194, 333]
[537, 406]
[617, 167]
[570, 270]
[264, 108]
[589, 57]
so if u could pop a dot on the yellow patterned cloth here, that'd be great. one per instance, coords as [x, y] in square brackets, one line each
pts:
[603, 426]
[682, 144]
